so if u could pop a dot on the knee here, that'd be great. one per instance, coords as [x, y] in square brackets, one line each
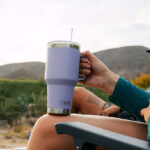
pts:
[43, 126]
[78, 91]
[44, 132]
[80, 94]
[41, 133]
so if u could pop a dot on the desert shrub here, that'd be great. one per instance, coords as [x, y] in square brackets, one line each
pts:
[23, 134]
[27, 98]
[13, 88]
[18, 131]
[18, 128]
[39, 105]
[13, 141]
[17, 95]
[142, 81]
[9, 134]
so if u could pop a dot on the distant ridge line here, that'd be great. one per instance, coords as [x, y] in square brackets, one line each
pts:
[128, 62]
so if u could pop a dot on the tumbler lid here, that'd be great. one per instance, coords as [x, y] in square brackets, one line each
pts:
[69, 44]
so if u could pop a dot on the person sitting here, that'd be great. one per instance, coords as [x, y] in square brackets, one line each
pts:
[122, 93]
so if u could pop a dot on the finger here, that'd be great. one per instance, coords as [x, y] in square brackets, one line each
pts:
[146, 119]
[85, 71]
[115, 107]
[113, 110]
[105, 113]
[142, 112]
[82, 75]
[85, 66]
[84, 60]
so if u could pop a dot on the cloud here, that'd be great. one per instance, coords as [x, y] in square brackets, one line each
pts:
[27, 25]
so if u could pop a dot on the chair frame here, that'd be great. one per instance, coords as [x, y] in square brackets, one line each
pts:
[88, 137]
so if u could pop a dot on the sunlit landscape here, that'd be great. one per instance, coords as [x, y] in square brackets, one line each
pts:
[116, 32]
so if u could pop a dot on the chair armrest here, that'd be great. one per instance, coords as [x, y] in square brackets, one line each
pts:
[87, 134]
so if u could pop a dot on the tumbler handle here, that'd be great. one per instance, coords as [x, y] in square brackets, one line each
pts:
[81, 79]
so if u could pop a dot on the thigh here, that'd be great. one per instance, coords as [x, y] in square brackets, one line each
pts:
[44, 135]
[86, 102]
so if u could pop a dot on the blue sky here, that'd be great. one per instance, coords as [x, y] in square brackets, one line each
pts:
[26, 26]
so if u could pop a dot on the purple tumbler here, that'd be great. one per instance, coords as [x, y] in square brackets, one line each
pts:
[61, 75]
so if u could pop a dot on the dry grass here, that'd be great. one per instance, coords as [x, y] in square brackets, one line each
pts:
[9, 134]
[19, 131]
[22, 134]
[13, 141]
[14, 137]
[18, 128]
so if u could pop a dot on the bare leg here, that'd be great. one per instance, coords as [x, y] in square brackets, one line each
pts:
[44, 135]
[86, 102]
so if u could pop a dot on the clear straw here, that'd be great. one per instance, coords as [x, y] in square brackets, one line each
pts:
[71, 34]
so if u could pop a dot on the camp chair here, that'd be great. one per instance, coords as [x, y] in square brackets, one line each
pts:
[88, 137]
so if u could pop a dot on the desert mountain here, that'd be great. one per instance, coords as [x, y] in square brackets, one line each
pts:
[29, 70]
[128, 62]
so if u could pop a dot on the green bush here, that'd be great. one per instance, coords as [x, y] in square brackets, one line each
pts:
[27, 98]
[16, 95]
[13, 88]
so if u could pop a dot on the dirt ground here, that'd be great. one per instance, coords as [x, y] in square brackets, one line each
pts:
[11, 143]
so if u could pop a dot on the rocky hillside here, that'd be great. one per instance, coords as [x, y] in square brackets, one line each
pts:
[29, 70]
[128, 62]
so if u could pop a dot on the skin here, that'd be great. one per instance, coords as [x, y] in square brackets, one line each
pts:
[98, 75]
[85, 102]
[44, 135]
[111, 111]
[146, 112]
